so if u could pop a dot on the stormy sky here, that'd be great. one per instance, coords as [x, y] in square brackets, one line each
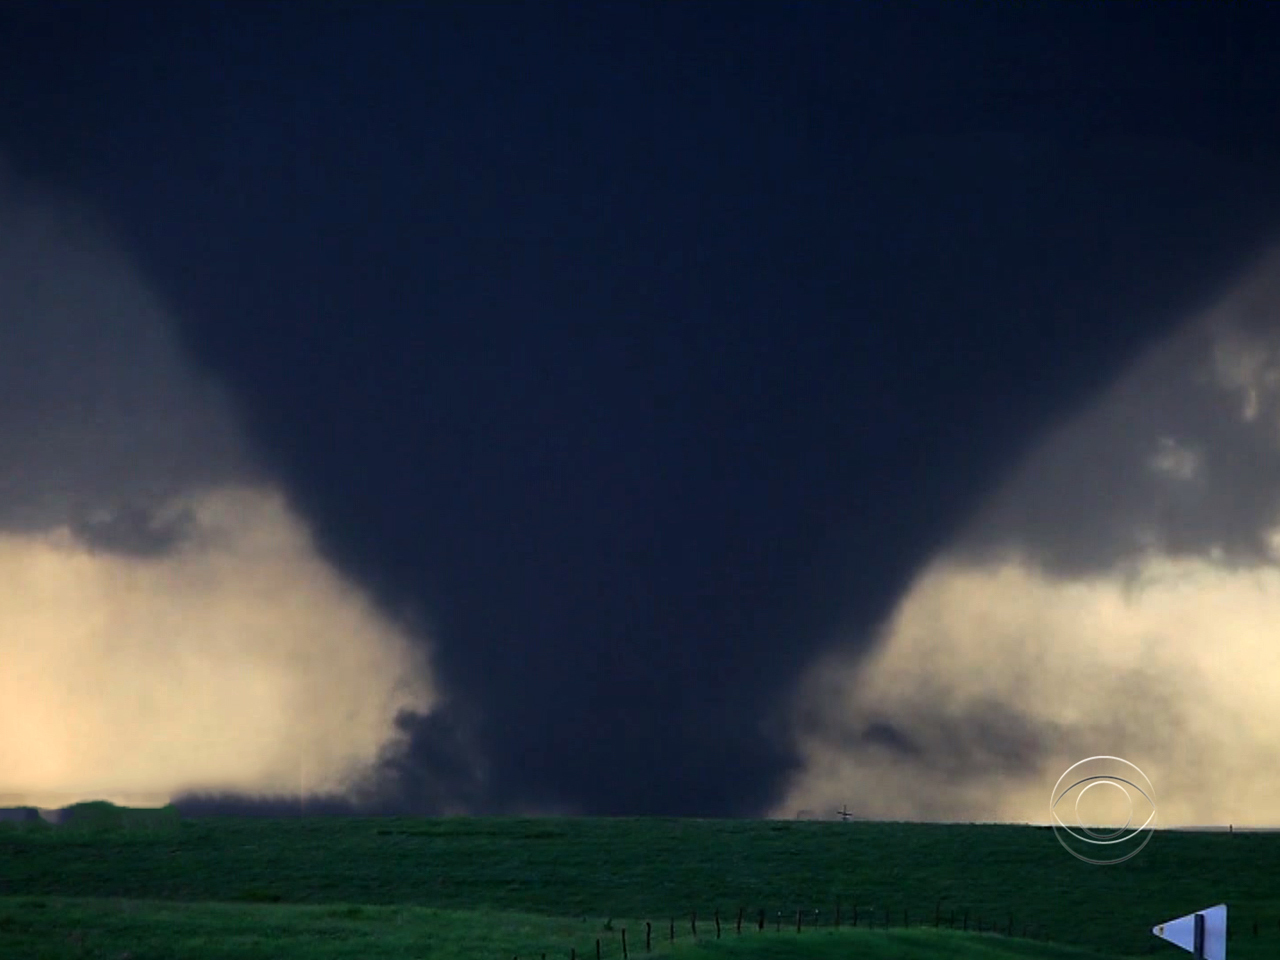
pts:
[639, 409]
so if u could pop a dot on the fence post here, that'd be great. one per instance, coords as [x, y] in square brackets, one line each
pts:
[798, 913]
[624, 943]
[648, 933]
[693, 923]
[762, 918]
[740, 921]
[717, 923]
[597, 948]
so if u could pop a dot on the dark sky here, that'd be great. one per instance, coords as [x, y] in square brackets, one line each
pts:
[633, 351]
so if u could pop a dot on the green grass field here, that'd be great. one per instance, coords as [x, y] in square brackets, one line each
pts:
[145, 888]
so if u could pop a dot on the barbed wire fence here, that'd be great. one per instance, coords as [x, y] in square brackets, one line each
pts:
[623, 943]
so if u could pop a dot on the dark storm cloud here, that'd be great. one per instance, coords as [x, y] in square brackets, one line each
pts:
[136, 530]
[888, 736]
[639, 377]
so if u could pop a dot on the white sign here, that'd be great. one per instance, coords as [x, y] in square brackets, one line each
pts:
[1182, 932]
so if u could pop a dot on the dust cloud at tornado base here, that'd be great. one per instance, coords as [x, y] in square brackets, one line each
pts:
[1118, 595]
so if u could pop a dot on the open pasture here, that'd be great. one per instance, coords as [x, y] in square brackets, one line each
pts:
[137, 889]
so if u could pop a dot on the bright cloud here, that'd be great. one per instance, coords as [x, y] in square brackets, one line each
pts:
[166, 621]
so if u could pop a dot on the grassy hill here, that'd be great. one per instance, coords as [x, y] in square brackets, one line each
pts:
[510, 887]
[151, 930]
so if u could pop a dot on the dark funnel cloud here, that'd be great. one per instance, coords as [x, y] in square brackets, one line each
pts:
[641, 350]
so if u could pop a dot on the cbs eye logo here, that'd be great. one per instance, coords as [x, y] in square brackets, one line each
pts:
[1103, 788]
